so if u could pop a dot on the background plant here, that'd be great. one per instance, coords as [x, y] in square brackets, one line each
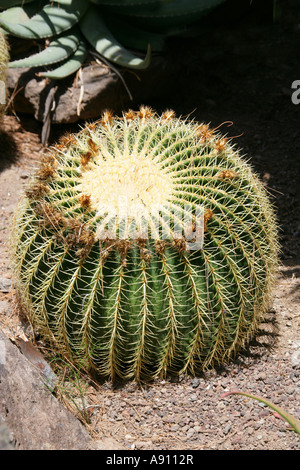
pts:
[293, 422]
[112, 28]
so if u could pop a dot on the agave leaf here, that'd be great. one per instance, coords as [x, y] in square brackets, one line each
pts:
[14, 15]
[59, 49]
[295, 423]
[100, 37]
[51, 20]
[71, 65]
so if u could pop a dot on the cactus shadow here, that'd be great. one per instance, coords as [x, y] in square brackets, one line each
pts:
[8, 151]
[264, 342]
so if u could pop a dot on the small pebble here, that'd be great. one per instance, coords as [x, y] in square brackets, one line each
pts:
[5, 284]
[227, 428]
[195, 383]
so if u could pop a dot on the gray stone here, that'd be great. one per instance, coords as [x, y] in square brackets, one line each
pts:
[227, 428]
[85, 96]
[5, 437]
[175, 428]
[195, 382]
[35, 419]
[5, 284]
[295, 357]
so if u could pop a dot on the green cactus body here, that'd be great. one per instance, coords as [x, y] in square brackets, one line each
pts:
[133, 296]
[4, 58]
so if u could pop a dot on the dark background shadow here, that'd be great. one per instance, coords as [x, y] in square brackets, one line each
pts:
[241, 69]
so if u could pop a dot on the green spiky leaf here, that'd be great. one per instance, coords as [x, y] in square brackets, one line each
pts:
[14, 15]
[59, 49]
[95, 30]
[295, 423]
[50, 21]
[71, 65]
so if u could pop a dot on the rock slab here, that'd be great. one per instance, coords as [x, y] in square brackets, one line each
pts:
[86, 96]
[32, 416]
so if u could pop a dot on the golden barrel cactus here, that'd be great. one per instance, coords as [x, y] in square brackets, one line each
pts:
[145, 246]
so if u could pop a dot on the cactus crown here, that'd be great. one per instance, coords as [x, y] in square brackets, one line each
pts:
[176, 277]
